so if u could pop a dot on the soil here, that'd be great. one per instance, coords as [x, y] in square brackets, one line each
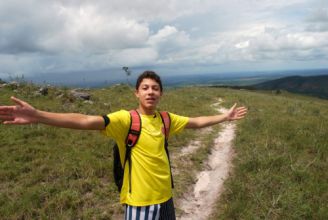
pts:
[199, 202]
[192, 146]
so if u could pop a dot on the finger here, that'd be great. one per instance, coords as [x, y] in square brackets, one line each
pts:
[15, 121]
[241, 115]
[6, 117]
[242, 111]
[6, 109]
[241, 108]
[17, 101]
[9, 122]
[238, 117]
[233, 107]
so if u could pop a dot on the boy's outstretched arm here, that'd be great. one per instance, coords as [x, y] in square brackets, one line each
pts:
[204, 121]
[23, 113]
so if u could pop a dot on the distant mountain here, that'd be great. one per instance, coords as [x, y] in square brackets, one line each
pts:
[309, 85]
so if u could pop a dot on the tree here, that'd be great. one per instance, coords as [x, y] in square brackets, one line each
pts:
[128, 73]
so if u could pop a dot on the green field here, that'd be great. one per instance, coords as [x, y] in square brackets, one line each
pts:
[280, 167]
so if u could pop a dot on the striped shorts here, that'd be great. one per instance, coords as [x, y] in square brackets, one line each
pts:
[163, 211]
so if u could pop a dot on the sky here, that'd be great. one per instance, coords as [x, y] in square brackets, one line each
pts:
[48, 38]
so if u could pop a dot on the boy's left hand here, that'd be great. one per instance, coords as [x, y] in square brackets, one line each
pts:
[235, 113]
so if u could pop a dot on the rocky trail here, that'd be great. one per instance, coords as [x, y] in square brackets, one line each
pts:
[199, 202]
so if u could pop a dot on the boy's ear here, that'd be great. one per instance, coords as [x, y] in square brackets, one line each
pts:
[136, 93]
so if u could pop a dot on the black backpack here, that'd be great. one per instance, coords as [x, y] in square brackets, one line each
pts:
[130, 142]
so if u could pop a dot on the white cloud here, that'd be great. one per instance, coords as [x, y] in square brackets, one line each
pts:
[163, 34]
[242, 45]
[168, 40]
[50, 36]
[318, 20]
[318, 15]
[87, 31]
[133, 57]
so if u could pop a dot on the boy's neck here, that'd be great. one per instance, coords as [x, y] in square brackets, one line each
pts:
[146, 111]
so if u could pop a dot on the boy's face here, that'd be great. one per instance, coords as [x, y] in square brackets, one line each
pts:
[149, 94]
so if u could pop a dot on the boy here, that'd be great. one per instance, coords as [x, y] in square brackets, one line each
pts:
[148, 194]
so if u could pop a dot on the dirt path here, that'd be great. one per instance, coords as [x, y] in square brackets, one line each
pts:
[192, 146]
[199, 202]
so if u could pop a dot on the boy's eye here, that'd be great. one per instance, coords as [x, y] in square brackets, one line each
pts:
[155, 88]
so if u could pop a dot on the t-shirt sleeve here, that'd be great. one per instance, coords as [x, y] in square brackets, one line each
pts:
[178, 123]
[118, 126]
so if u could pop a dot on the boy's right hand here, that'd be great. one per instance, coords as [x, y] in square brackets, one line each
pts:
[21, 113]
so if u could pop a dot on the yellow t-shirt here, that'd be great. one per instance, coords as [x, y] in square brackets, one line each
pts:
[150, 176]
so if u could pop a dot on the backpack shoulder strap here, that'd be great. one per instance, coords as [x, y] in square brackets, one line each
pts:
[134, 130]
[166, 122]
[132, 139]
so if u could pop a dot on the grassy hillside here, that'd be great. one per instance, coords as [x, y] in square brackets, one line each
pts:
[55, 173]
[310, 85]
[279, 169]
[281, 162]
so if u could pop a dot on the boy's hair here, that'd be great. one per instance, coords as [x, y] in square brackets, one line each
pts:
[149, 75]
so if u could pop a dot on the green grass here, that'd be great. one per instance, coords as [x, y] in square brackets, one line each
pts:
[56, 173]
[280, 167]
[281, 163]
